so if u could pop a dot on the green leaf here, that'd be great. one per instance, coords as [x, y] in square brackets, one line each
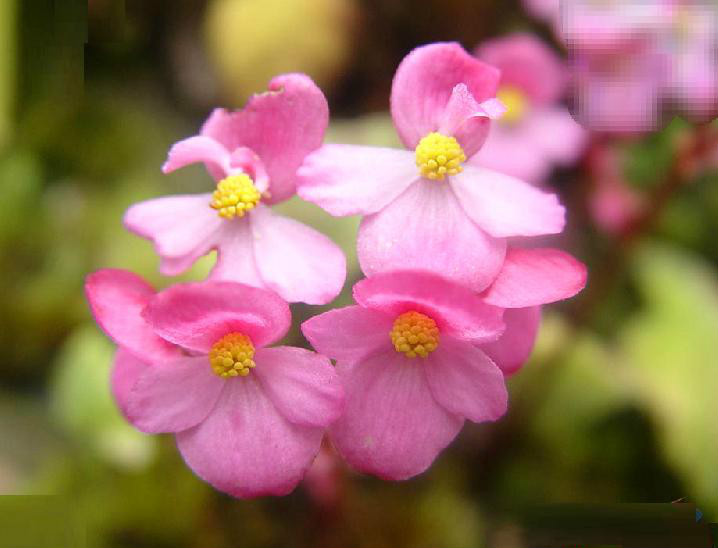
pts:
[672, 360]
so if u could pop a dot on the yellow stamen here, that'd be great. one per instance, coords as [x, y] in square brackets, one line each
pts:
[516, 103]
[235, 195]
[232, 356]
[414, 334]
[438, 156]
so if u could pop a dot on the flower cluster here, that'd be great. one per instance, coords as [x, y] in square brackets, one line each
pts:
[449, 307]
[636, 60]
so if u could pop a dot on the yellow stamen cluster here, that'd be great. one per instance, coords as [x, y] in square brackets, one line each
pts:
[515, 101]
[232, 356]
[438, 156]
[414, 334]
[235, 195]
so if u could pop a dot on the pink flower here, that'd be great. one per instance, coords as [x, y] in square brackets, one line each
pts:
[424, 209]
[415, 356]
[533, 82]
[192, 360]
[254, 154]
[636, 61]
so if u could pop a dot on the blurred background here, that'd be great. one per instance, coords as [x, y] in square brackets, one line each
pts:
[619, 402]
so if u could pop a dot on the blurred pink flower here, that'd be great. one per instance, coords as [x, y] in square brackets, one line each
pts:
[254, 154]
[323, 480]
[548, 10]
[613, 204]
[636, 61]
[536, 132]
[186, 365]
[422, 208]
[415, 356]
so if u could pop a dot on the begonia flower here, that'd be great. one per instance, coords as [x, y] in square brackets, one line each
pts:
[253, 154]
[407, 356]
[419, 354]
[426, 207]
[533, 83]
[193, 360]
[528, 279]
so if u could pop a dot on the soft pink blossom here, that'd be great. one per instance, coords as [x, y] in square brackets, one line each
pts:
[266, 141]
[613, 203]
[537, 132]
[457, 223]
[402, 410]
[635, 62]
[246, 435]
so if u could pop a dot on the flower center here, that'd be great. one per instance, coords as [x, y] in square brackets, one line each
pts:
[235, 195]
[231, 356]
[414, 334]
[438, 156]
[515, 101]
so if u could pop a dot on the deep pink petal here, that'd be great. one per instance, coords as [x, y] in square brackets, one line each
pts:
[182, 228]
[198, 149]
[246, 447]
[466, 120]
[514, 347]
[174, 395]
[504, 206]
[531, 277]
[348, 334]
[425, 228]
[296, 261]
[281, 125]
[235, 254]
[391, 427]
[126, 369]
[465, 381]
[528, 64]
[117, 298]
[196, 315]
[457, 311]
[355, 180]
[303, 385]
[424, 82]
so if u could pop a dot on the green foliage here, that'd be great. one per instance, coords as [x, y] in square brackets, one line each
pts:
[673, 363]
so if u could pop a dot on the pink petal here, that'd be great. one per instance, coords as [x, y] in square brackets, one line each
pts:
[244, 160]
[196, 315]
[173, 396]
[465, 381]
[514, 347]
[117, 298]
[296, 261]
[466, 120]
[391, 427]
[355, 180]
[527, 63]
[281, 125]
[183, 228]
[504, 206]
[457, 311]
[235, 254]
[348, 334]
[568, 139]
[425, 228]
[198, 149]
[511, 151]
[536, 276]
[246, 447]
[303, 385]
[126, 369]
[424, 82]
